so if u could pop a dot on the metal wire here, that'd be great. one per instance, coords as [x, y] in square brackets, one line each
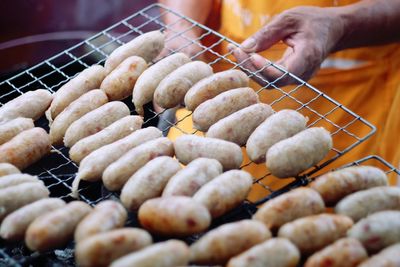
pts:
[58, 171]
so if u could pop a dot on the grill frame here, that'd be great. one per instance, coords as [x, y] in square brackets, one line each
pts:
[58, 171]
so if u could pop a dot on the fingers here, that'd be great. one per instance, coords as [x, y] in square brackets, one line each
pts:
[278, 29]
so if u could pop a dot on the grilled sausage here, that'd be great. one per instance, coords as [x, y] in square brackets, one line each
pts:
[214, 85]
[108, 135]
[106, 216]
[174, 216]
[359, 204]
[15, 224]
[163, 254]
[378, 230]
[298, 203]
[26, 148]
[277, 127]
[147, 46]
[276, 252]
[224, 192]
[119, 83]
[216, 246]
[238, 126]
[85, 81]
[149, 80]
[7, 168]
[74, 111]
[221, 106]
[345, 252]
[190, 147]
[197, 173]
[31, 104]
[296, 154]
[148, 182]
[172, 89]
[101, 249]
[92, 166]
[13, 127]
[312, 233]
[386, 258]
[335, 185]
[56, 228]
[16, 179]
[119, 172]
[14, 197]
[95, 121]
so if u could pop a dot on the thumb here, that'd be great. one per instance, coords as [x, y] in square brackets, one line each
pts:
[278, 29]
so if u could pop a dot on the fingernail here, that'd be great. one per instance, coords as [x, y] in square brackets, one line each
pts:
[249, 43]
[231, 47]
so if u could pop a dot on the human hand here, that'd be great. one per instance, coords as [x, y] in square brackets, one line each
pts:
[310, 33]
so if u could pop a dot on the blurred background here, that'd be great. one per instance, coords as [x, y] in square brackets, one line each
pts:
[34, 30]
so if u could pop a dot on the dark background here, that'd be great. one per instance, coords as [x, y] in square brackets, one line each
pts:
[33, 30]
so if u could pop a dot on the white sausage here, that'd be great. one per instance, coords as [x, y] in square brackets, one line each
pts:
[164, 254]
[213, 85]
[119, 172]
[300, 202]
[335, 185]
[85, 81]
[226, 241]
[197, 173]
[224, 192]
[15, 224]
[277, 127]
[150, 79]
[221, 106]
[172, 89]
[95, 121]
[148, 182]
[31, 104]
[92, 166]
[378, 230]
[314, 232]
[191, 147]
[56, 228]
[296, 154]
[119, 83]
[14, 197]
[389, 257]
[174, 216]
[7, 168]
[147, 46]
[238, 126]
[345, 252]
[101, 249]
[26, 148]
[106, 216]
[276, 252]
[74, 111]
[360, 204]
[108, 135]
[16, 179]
[13, 127]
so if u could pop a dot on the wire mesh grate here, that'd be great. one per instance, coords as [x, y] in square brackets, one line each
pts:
[58, 171]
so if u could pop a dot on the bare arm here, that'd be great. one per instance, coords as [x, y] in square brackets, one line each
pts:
[312, 33]
[194, 9]
[180, 34]
[370, 22]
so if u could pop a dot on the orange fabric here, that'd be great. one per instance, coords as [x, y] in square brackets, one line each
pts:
[372, 90]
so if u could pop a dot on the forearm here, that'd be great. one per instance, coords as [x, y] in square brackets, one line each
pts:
[194, 9]
[369, 22]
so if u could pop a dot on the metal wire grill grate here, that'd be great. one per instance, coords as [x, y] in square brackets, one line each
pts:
[58, 171]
